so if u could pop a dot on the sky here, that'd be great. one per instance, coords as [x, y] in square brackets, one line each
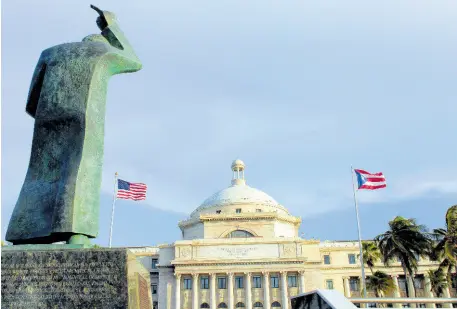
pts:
[299, 90]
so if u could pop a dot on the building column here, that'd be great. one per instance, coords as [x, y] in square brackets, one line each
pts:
[411, 289]
[248, 291]
[302, 282]
[213, 290]
[447, 294]
[231, 298]
[347, 288]
[396, 291]
[177, 291]
[428, 290]
[285, 296]
[266, 290]
[195, 291]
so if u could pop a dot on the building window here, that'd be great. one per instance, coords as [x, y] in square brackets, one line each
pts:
[454, 281]
[292, 281]
[257, 282]
[222, 305]
[402, 284]
[371, 305]
[275, 304]
[274, 282]
[155, 305]
[354, 284]
[258, 210]
[351, 258]
[327, 259]
[240, 305]
[239, 234]
[258, 305]
[218, 211]
[204, 283]
[418, 283]
[329, 284]
[204, 305]
[154, 288]
[187, 283]
[238, 210]
[154, 264]
[239, 283]
[222, 283]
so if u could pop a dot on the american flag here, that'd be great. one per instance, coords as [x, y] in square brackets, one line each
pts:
[369, 181]
[131, 191]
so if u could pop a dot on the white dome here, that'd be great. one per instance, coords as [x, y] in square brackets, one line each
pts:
[239, 194]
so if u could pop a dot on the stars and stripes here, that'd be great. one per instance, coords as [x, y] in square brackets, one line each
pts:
[131, 191]
[369, 181]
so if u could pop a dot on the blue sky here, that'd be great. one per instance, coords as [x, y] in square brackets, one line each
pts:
[299, 90]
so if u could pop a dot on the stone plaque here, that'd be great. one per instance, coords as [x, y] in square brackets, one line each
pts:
[65, 278]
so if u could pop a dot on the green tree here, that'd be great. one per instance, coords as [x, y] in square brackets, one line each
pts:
[371, 254]
[406, 241]
[438, 281]
[381, 283]
[445, 249]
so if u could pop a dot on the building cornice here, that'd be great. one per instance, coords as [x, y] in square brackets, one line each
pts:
[247, 216]
[244, 241]
[232, 263]
[356, 267]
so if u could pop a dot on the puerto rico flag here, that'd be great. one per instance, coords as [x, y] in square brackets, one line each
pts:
[370, 181]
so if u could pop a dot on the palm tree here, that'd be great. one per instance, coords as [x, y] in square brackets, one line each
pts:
[438, 281]
[406, 241]
[381, 283]
[371, 254]
[445, 249]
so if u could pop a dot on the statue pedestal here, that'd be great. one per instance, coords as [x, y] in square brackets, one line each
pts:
[71, 276]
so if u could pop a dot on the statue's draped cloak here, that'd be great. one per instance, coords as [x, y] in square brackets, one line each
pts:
[60, 195]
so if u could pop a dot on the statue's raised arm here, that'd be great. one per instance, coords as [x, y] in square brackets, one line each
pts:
[110, 29]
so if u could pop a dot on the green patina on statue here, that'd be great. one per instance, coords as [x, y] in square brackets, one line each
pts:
[59, 200]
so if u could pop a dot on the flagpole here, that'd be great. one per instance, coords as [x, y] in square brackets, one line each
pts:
[112, 210]
[360, 237]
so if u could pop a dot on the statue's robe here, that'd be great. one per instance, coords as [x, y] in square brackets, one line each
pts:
[61, 192]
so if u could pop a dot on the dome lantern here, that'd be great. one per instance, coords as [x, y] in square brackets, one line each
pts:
[238, 173]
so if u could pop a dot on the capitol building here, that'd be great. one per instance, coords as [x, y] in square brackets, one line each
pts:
[240, 249]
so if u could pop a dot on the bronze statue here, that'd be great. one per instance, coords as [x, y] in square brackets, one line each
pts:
[59, 200]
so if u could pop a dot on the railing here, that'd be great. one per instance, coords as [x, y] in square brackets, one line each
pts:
[404, 300]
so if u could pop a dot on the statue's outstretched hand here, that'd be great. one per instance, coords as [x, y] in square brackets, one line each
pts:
[102, 23]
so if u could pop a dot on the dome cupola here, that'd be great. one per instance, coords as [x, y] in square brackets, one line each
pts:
[239, 196]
